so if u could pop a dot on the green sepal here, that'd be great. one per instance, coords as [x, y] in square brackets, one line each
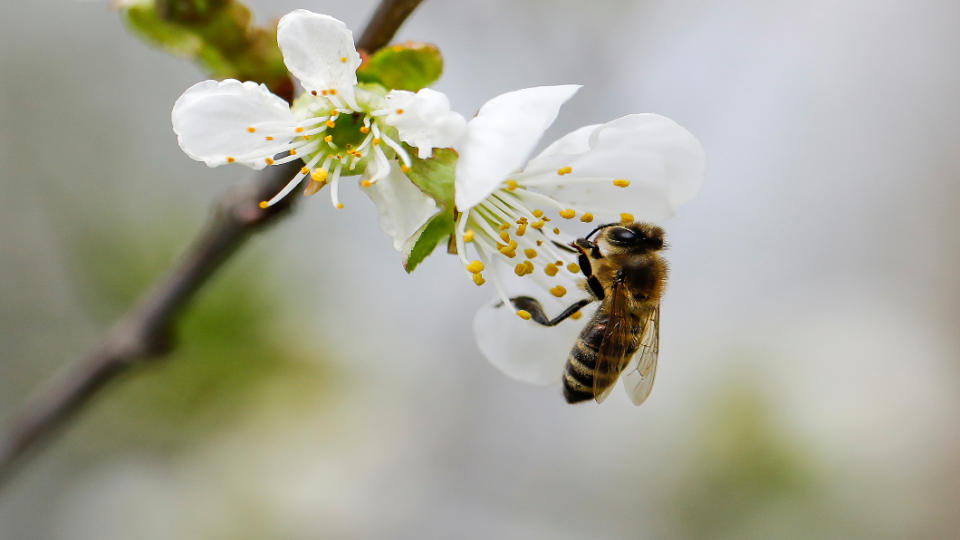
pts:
[218, 35]
[434, 176]
[407, 66]
[423, 242]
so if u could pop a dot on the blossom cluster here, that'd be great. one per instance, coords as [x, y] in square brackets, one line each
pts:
[508, 209]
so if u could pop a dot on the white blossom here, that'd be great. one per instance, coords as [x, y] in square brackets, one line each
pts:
[336, 127]
[517, 214]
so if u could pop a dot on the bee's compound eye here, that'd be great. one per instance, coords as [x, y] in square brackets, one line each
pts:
[623, 236]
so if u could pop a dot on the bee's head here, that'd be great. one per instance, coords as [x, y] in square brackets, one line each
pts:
[633, 238]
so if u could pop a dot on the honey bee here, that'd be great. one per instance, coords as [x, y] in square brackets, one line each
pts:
[625, 272]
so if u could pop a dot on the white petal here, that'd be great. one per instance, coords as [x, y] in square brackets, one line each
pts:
[211, 120]
[525, 350]
[319, 51]
[402, 206]
[426, 120]
[664, 163]
[501, 137]
[575, 142]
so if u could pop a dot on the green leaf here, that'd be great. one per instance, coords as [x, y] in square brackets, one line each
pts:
[408, 66]
[435, 175]
[218, 35]
[422, 244]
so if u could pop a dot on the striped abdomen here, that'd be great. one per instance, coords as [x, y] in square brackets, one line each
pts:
[581, 369]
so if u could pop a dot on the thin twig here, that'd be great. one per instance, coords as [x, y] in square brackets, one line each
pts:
[145, 332]
[385, 22]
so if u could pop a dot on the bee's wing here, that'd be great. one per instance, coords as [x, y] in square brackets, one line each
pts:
[638, 382]
[614, 352]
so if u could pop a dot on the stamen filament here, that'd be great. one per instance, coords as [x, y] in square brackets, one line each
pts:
[335, 186]
[292, 183]
[404, 156]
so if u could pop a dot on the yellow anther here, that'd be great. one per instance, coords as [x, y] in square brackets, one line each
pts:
[333, 91]
[405, 168]
[511, 184]
[269, 138]
[568, 213]
[537, 224]
[324, 92]
[376, 140]
[530, 253]
[586, 218]
[263, 204]
[521, 229]
[576, 315]
[556, 230]
[573, 268]
[621, 182]
[314, 92]
[319, 175]
[339, 206]
[366, 183]
[252, 129]
[231, 159]
[343, 59]
[504, 226]
[364, 130]
[523, 314]
[558, 291]
[399, 111]
[304, 170]
[505, 236]
[331, 124]
[269, 161]
[293, 151]
[475, 267]
[299, 130]
[539, 242]
[564, 170]
[306, 137]
[328, 138]
[508, 252]
[520, 270]
[529, 266]
[468, 235]
[626, 218]
[551, 270]
[478, 279]
[538, 213]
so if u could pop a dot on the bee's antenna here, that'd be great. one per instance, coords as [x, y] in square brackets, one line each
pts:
[599, 228]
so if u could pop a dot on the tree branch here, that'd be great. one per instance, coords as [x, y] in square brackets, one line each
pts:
[145, 332]
[385, 22]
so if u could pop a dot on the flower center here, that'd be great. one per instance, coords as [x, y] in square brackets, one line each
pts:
[333, 140]
[348, 131]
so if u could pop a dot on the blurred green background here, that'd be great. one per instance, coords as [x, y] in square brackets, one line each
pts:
[810, 357]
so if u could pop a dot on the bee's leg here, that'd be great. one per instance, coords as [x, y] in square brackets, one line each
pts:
[533, 307]
[582, 245]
